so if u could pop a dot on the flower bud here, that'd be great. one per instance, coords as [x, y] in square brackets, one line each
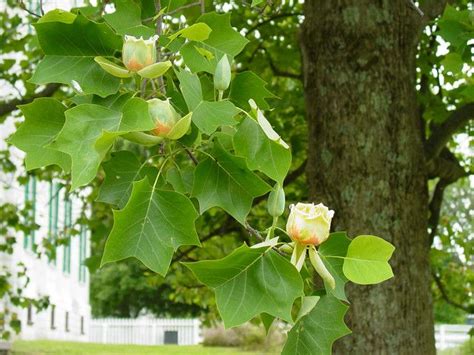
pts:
[309, 224]
[222, 74]
[164, 115]
[138, 53]
[276, 201]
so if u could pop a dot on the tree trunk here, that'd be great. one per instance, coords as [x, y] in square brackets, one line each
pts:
[366, 159]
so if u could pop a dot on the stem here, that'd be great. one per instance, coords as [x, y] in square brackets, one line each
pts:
[271, 230]
[320, 267]
[221, 95]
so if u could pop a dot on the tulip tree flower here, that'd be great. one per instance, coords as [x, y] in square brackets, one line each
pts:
[308, 226]
[169, 124]
[222, 76]
[138, 56]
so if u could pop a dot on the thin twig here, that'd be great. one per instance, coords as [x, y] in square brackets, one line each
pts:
[191, 156]
[41, 7]
[203, 6]
[159, 29]
[23, 6]
[197, 3]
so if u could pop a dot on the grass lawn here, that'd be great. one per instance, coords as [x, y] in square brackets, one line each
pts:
[466, 349]
[59, 347]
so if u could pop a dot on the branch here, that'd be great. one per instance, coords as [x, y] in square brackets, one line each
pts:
[435, 208]
[278, 72]
[444, 294]
[197, 3]
[442, 133]
[10, 106]
[277, 16]
[23, 7]
[446, 167]
[432, 8]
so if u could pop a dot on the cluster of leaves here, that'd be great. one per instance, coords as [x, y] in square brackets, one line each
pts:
[229, 157]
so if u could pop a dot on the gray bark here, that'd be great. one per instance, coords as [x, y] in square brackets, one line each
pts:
[366, 159]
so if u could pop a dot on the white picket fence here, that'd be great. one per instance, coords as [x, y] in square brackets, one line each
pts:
[451, 335]
[145, 331]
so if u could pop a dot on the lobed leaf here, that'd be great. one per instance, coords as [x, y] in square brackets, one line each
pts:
[251, 281]
[151, 227]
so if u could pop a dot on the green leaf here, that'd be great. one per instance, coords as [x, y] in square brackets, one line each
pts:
[180, 179]
[70, 48]
[155, 70]
[249, 282]
[332, 252]
[196, 32]
[44, 119]
[267, 321]
[210, 115]
[307, 305]
[261, 153]
[190, 86]
[367, 258]
[257, 2]
[126, 19]
[151, 227]
[248, 85]
[225, 181]
[453, 62]
[316, 332]
[90, 130]
[121, 171]
[82, 38]
[222, 40]
[223, 37]
[88, 74]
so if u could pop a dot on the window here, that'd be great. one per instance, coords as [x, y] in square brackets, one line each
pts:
[30, 199]
[82, 326]
[66, 322]
[53, 316]
[29, 315]
[82, 253]
[54, 190]
[67, 234]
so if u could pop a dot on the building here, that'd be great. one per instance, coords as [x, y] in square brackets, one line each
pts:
[64, 280]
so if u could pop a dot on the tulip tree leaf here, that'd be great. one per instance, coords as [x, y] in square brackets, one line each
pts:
[223, 39]
[127, 20]
[196, 32]
[191, 89]
[90, 130]
[225, 181]
[121, 171]
[70, 58]
[90, 77]
[315, 332]
[251, 143]
[249, 282]
[332, 252]
[248, 85]
[210, 115]
[151, 227]
[44, 118]
[367, 258]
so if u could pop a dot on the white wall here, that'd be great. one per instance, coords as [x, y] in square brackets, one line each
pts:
[65, 289]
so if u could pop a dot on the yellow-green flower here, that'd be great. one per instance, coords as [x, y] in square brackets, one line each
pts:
[309, 224]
